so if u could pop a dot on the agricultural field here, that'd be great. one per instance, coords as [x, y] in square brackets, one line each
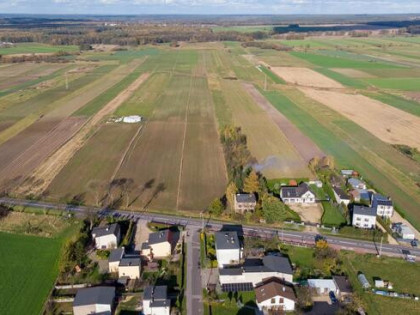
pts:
[36, 48]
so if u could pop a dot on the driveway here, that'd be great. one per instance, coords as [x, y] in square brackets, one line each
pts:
[142, 234]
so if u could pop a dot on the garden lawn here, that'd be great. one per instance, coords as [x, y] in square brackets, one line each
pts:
[29, 267]
[332, 215]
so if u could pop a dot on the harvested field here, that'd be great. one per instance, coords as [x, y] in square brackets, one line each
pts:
[385, 122]
[29, 159]
[45, 174]
[276, 156]
[353, 73]
[305, 77]
[88, 173]
[304, 145]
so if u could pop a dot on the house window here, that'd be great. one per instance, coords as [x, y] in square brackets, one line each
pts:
[366, 220]
[273, 301]
[358, 218]
[281, 300]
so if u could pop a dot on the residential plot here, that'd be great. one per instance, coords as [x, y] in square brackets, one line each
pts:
[386, 122]
[305, 77]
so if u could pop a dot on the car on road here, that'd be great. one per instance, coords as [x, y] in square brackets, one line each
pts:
[414, 243]
[332, 297]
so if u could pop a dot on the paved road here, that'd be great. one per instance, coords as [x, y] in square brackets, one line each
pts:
[288, 236]
[193, 292]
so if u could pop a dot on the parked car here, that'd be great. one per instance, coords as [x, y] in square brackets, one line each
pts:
[332, 297]
[414, 243]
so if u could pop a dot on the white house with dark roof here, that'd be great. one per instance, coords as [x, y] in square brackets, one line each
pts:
[383, 205]
[274, 295]
[254, 271]
[297, 194]
[95, 300]
[130, 267]
[364, 217]
[244, 203]
[106, 236]
[228, 248]
[114, 259]
[341, 196]
[155, 301]
[159, 245]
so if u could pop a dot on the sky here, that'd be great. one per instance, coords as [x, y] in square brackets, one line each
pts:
[209, 6]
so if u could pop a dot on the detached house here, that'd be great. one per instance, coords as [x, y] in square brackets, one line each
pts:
[129, 267]
[383, 205]
[356, 183]
[254, 271]
[341, 196]
[228, 249]
[106, 236]
[364, 217]
[275, 295]
[114, 259]
[155, 300]
[244, 203]
[95, 300]
[297, 195]
[159, 245]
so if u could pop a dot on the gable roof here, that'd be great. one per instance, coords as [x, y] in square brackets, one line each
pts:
[106, 230]
[274, 287]
[157, 295]
[94, 295]
[130, 261]
[294, 192]
[361, 210]
[226, 240]
[354, 182]
[343, 284]
[268, 264]
[341, 193]
[116, 254]
[247, 198]
[381, 200]
[159, 237]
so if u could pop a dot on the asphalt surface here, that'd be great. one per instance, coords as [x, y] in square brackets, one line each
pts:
[193, 292]
[293, 237]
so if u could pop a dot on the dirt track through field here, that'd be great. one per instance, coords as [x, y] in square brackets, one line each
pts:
[384, 121]
[29, 159]
[305, 77]
[45, 174]
[305, 146]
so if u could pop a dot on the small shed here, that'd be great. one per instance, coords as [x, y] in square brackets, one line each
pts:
[363, 281]
[379, 283]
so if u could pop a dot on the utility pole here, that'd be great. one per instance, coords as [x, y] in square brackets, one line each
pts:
[380, 247]
[67, 82]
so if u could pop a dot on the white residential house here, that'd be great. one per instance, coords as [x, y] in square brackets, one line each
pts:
[405, 232]
[130, 267]
[297, 194]
[323, 286]
[356, 183]
[94, 300]
[114, 259]
[155, 301]
[383, 205]
[106, 236]
[275, 295]
[228, 248]
[244, 203]
[364, 217]
[160, 244]
[341, 196]
[254, 271]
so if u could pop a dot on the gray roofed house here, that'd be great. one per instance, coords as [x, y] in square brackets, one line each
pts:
[155, 300]
[226, 240]
[343, 285]
[159, 237]
[94, 300]
[116, 254]
[297, 194]
[106, 236]
[160, 244]
[383, 205]
[356, 183]
[341, 196]
[364, 217]
[244, 203]
[130, 261]
[367, 211]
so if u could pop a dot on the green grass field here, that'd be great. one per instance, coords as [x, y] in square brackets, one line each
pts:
[29, 270]
[332, 215]
[402, 84]
[36, 48]
[344, 80]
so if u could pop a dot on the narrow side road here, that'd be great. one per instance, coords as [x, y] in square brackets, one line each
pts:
[193, 292]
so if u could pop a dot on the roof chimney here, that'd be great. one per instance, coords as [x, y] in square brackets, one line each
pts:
[284, 289]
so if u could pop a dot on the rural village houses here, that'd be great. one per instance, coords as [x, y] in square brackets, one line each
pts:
[244, 203]
[228, 249]
[364, 217]
[297, 195]
[275, 295]
[106, 237]
[95, 300]
[155, 301]
[160, 244]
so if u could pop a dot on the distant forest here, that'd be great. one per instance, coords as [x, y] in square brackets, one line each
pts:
[132, 30]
